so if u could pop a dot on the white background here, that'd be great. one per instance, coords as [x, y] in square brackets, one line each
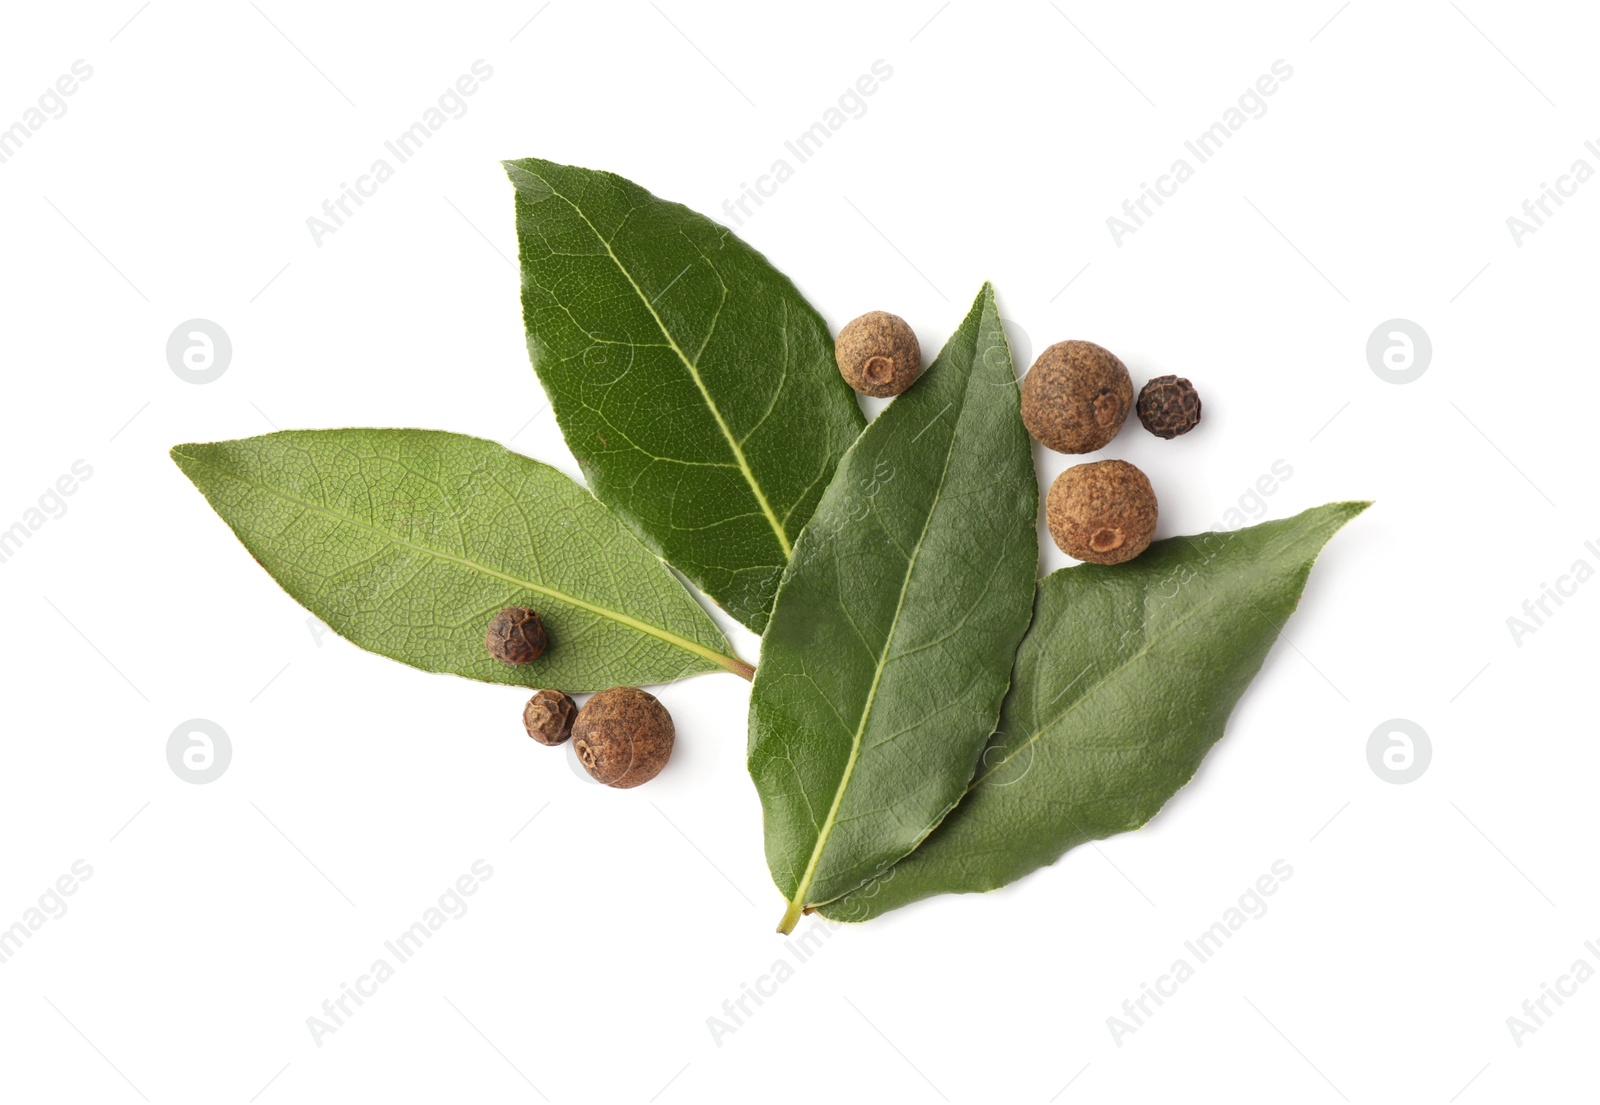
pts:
[1377, 185]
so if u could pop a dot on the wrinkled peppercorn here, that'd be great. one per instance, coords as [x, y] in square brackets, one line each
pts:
[1169, 406]
[515, 636]
[548, 717]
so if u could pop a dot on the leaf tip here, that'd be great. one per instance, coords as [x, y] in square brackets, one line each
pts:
[521, 170]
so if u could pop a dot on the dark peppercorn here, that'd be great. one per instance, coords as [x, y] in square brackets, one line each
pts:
[548, 717]
[1169, 406]
[1076, 397]
[878, 354]
[623, 737]
[516, 636]
[1103, 512]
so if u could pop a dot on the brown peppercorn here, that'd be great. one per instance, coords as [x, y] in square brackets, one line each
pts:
[1103, 512]
[516, 636]
[878, 354]
[623, 737]
[1169, 406]
[1076, 397]
[548, 717]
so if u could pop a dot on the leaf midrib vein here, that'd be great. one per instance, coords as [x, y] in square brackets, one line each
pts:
[665, 635]
[694, 374]
[877, 678]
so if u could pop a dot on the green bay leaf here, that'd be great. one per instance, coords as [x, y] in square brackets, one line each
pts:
[408, 541]
[1124, 682]
[890, 646]
[693, 383]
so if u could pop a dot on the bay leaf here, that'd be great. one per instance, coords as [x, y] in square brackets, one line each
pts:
[407, 542]
[1125, 680]
[693, 383]
[890, 646]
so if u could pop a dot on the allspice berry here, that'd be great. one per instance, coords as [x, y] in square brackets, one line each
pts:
[878, 354]
[1169, 406]
[623, 737]
[1076, 397]
[515, 636]
[548, 717]
[1103, 512]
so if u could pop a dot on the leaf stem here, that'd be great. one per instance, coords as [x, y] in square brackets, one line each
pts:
[791, 916]
[739, 667]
